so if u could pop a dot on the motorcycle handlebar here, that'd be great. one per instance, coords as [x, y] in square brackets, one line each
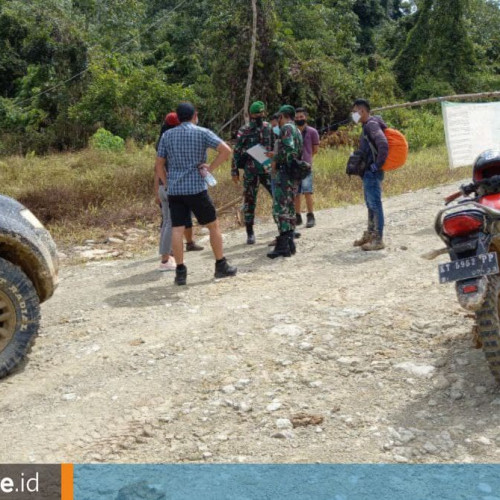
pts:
[491, 184]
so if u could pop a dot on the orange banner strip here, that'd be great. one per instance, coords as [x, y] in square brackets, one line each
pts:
[66, 481]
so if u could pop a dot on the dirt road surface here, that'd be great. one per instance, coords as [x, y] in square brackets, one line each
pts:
[372, 351]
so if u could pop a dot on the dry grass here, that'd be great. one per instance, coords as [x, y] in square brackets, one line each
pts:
[89, 194]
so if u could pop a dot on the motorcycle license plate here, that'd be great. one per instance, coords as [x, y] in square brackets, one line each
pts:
[471, 267]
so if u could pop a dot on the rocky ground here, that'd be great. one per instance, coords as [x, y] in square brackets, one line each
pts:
[334, 355]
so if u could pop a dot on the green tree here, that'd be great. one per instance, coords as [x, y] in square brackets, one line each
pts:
[412, 59]
[438, 51]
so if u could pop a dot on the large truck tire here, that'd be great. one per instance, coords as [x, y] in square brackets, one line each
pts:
[19, 316]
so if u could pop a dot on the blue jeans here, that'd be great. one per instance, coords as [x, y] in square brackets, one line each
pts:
[372, 187]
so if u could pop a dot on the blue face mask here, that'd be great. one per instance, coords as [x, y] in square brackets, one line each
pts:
[276, 130]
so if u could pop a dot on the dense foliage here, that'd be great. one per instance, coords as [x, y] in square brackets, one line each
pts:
[70, 67]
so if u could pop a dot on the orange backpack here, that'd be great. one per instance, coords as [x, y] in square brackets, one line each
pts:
[398, 149]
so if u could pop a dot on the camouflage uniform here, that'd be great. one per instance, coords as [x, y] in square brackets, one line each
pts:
[290, 146]
[254, 172]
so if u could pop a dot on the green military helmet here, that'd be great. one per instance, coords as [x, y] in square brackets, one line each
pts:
[257, 107]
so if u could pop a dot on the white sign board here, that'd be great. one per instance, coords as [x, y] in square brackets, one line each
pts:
[470, 129]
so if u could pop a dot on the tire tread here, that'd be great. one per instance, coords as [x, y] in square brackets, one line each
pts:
[488, 325]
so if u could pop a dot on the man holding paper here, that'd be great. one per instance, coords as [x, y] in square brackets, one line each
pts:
[253, 141]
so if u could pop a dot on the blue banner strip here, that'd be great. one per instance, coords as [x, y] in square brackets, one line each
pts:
[290, 482]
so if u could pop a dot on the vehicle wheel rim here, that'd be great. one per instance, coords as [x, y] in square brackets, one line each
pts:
[7, 320]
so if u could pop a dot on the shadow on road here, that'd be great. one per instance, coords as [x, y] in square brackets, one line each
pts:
[138, 279]
[149, 297]
[353, 257]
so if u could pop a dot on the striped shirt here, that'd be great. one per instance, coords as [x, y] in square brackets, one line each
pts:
[185, 147]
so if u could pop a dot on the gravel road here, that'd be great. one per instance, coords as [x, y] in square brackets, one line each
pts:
[334, 355]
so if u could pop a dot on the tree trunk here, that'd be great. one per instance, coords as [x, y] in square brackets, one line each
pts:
[252, 60]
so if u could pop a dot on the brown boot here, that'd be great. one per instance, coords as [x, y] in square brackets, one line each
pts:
[375, 244]
[366, 238]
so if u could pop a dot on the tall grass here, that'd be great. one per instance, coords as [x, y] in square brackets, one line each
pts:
[81, 195]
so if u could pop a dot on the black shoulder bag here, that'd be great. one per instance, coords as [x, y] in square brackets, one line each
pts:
[299, 169]
[358, 160]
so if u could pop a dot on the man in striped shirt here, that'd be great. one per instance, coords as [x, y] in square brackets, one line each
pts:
[185, 149]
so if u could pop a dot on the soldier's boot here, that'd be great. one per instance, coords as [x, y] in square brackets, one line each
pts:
[296, 235]
[311, 221]
[282, 248]
[250, 234]
[298, 219]
[291, 242]
[375, 243]
[223, 269]
[366, 238]
[180, 274]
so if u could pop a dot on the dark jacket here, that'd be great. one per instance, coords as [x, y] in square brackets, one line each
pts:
[164, 128]
[373, 129]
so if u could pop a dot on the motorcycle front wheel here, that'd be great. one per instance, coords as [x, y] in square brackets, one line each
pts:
[488, 326]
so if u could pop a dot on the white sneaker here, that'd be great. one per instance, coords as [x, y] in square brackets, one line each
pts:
[170, 265]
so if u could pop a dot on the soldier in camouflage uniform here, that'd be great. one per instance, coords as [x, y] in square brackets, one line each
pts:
[290, 147]
[254, 173]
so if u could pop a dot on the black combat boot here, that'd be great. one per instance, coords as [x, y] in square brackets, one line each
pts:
[311, 221]
[250, 234]
[291, 242]
[282, 248]
[180, 274]
[298, 219]
[223, 269]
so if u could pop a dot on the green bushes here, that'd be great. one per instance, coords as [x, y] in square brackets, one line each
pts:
[422, 128]
[104, 140]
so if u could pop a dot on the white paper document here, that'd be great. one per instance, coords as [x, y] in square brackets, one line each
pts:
[258, 153]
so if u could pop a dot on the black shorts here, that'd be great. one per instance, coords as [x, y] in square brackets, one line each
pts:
[200, 204]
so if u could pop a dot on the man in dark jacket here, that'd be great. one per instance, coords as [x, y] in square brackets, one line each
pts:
[375, 145]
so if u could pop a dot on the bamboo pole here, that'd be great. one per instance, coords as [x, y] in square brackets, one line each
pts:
[432, 100]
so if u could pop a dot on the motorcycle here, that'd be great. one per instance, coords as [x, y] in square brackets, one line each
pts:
[471, 231]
